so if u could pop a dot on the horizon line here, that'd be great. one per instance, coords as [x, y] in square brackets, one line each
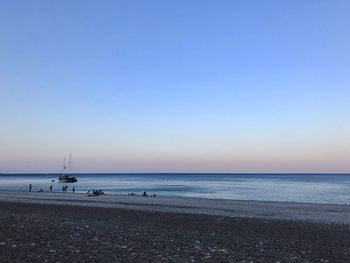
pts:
[149, 173]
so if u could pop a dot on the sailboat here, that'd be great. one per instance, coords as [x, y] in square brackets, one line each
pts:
[67, 177]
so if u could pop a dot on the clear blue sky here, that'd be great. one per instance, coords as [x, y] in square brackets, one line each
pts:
[175, 86]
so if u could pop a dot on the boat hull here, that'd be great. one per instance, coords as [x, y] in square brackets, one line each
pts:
[67, 179]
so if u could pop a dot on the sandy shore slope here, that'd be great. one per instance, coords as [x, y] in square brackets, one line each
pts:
[66, 233]
[323, 213]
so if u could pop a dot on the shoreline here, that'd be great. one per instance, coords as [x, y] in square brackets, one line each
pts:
[304, 212]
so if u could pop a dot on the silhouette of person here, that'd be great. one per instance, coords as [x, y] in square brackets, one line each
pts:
[30, 187]
[73, 189]
[50, 188]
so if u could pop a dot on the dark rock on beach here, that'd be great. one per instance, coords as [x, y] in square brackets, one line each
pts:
[57, 233]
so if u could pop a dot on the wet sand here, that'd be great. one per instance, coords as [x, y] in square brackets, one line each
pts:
[66, 233]
[321, 213]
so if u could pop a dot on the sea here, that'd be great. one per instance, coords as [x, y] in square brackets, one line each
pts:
[305, 188]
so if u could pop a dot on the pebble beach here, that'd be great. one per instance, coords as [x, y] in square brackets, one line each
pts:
[58, 227]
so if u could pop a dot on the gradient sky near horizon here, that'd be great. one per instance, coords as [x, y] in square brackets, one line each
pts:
[175, 86]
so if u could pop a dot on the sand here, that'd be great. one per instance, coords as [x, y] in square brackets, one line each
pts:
[58, 227]
[323, 213]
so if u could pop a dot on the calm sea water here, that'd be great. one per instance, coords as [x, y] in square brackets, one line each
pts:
[314, 188]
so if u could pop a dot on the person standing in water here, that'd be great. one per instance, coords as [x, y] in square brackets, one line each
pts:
[73, 189]
[50, 188]
[30, 187]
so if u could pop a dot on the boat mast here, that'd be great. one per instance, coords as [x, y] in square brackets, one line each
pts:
[64, 166]
[70, 163]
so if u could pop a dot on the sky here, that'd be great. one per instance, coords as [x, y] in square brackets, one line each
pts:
[175, 86]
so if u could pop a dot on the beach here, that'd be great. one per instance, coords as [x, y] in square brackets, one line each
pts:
[58, 227]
